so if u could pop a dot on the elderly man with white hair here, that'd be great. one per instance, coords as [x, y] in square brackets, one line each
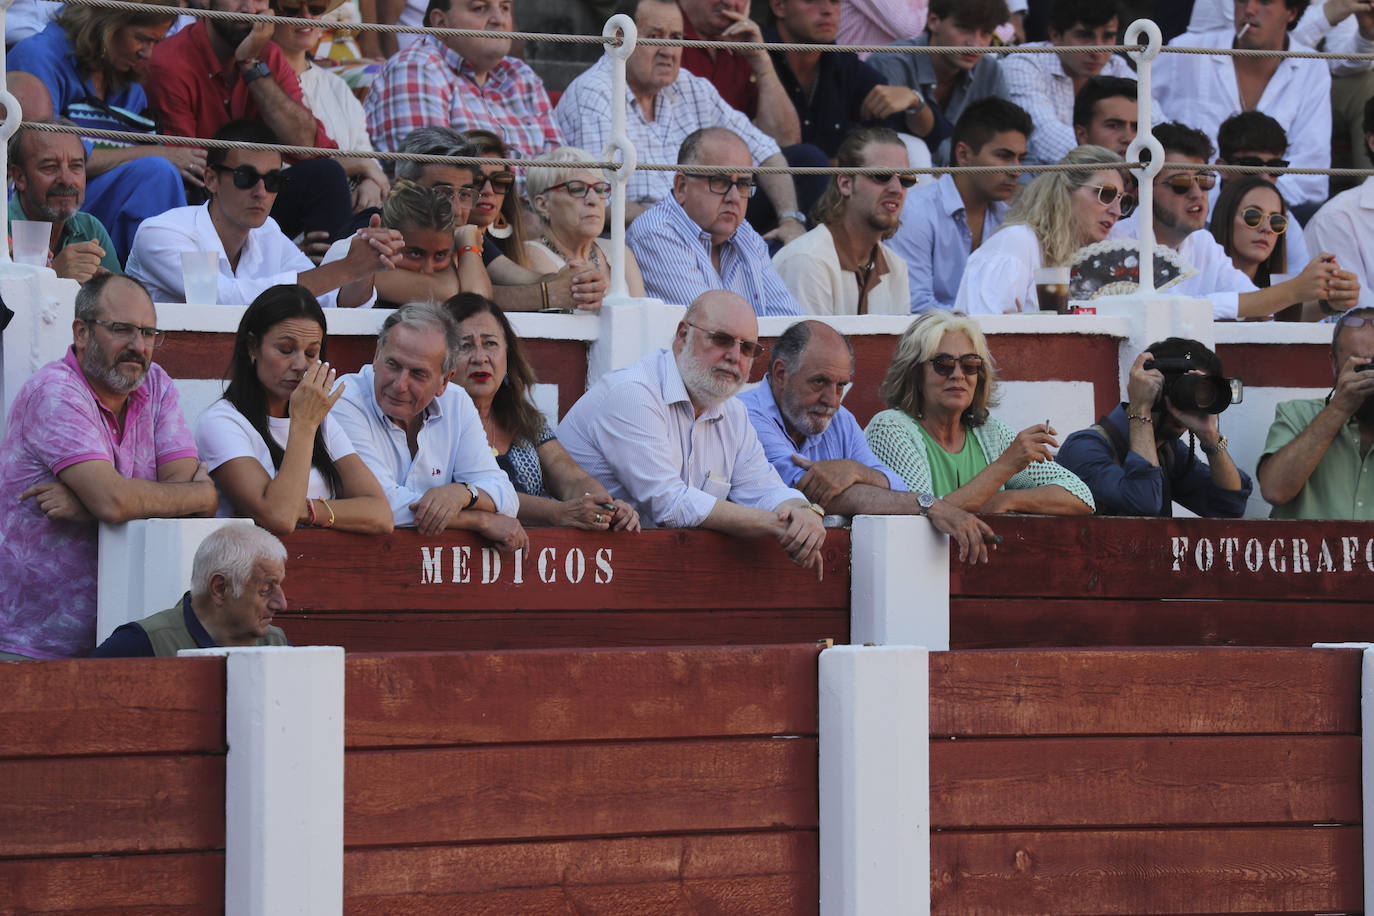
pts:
[236, 590]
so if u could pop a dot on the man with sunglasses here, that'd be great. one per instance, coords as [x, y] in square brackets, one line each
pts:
[668, 435]
[97, 436]
[1345, 224]
[842, 266]
[1316, 461]
[696, 239]
[1253, 138]
[815, 443]
[253, 252]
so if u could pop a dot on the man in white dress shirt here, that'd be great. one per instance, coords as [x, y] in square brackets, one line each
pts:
[422, 438]
[253, 252]
[668, 435]
[1344, 226]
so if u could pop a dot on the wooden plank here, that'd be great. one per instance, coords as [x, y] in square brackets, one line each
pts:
[1083, 872]
[765, 873]
[564, 569]
[1007, 623]
[112, 706]
[185, 883]
[607, 694]
[1152, 781]
[1292, 365]
[560, 791]
[1144, 691]
[501, 628]
[103, 805]
[1230, 559]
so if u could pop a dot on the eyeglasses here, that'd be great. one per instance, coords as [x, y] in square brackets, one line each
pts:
[944, 364]
[245, 177]
[1107, 193]
[293, 10]
[1253, 216]
[1182, 184]
[1355, 321]
[907, 181]
[747, 348]
[579, 189]
[122, 330]
[721, 184]
[1257, 162]
[500, 182]
[465, 193]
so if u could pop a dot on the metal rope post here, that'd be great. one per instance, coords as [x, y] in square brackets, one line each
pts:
[620, 178]
[1145, 140]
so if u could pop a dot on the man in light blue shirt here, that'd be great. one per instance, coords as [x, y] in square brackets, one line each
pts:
[816, 445]
[668, 436]
[945, 221]
[696, 239]
[422, 438]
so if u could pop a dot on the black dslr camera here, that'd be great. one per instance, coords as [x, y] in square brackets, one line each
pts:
[1199, 393]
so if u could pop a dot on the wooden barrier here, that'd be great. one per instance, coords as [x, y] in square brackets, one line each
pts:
[608, 781]
[112, 786]
[569, 589]
[1162, 782]
[1166, 582]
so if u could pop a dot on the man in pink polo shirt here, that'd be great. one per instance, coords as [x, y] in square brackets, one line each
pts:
[97, 436]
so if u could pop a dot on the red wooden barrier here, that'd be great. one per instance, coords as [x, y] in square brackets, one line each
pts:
[608, 781]
[1166, 781]
[1140, 582]
[112, 786]
[570, 588]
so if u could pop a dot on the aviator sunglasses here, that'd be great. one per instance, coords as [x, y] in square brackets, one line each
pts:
[747, 348]
[245, 177]
[1108, 192]
[944, 364]
[1182, 184]
[1253, 216]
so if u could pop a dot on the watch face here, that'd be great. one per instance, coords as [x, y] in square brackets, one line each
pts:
[925, 499]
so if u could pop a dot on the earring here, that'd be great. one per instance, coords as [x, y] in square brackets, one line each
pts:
[500, 229]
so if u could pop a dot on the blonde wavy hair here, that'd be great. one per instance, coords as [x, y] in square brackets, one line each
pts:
[903, 387]
[91, 31]
[1044, 204]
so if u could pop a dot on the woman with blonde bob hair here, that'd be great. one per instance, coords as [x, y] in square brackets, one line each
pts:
[938, 435]
[1054, 216]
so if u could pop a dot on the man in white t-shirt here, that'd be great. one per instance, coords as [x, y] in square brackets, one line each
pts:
[422, 438]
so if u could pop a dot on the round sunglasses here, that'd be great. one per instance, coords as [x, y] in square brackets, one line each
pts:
[1253, 216]
[1106, 193]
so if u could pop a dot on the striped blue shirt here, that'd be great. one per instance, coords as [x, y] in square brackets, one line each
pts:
[674, 255]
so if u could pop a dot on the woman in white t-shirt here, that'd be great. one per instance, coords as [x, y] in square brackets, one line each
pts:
[272, 449]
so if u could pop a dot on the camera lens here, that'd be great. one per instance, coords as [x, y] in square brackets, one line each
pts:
[1200, 393]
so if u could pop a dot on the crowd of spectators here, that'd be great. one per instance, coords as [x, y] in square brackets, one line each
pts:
[99, 435]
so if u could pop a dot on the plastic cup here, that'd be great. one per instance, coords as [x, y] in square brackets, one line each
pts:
[30, 242]
[1052, 289]
[200, 277]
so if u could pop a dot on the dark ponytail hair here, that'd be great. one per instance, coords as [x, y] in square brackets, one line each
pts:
[273, 306]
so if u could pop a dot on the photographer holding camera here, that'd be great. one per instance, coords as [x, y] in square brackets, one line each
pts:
[1132, 458]
[1316, 456]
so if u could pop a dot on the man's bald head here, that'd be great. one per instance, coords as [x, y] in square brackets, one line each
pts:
[715, 346]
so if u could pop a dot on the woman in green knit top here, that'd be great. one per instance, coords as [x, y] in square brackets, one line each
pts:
[938, 436]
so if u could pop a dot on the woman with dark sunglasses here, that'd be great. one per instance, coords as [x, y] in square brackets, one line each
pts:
[1053, 217]
[571, 205]
[938, 435]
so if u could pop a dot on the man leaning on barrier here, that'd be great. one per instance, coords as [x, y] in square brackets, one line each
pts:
[1133, 460]
[668, 436]
[815, 444]
[1316, 461]
[97, 436]
[236, 590]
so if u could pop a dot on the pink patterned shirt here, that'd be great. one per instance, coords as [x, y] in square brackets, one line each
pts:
[48, 568]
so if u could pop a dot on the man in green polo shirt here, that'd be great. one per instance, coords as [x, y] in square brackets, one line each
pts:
[49, 172]
[1317, 458]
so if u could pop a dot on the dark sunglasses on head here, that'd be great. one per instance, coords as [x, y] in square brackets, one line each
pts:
[500, 182]
[1257, 162]
[293, 10]
[1107, 193]
[245, 177]
[944, 364]
[721, 184]
[907, 181]
[579, 189]
[1253, 216]
[747, 348]
[1182, 184]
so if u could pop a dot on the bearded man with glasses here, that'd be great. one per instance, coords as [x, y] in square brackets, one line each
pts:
[253, 253]
[1316, 461]
[97, 436]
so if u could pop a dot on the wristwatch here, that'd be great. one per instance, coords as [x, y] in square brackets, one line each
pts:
[925, 501]
[792, 214]
[1219, 446]
[472, 494]
[818, 509]
[253, 69]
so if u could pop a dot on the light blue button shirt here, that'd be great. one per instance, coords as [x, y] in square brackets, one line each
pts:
[935, 241]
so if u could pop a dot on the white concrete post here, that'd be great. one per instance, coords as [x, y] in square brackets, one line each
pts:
[41, 329]
[1366, 756]
[874, 780]
[899, 582]
[630, 328]
[145, 566]
[283, 799]
[1155, 317]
